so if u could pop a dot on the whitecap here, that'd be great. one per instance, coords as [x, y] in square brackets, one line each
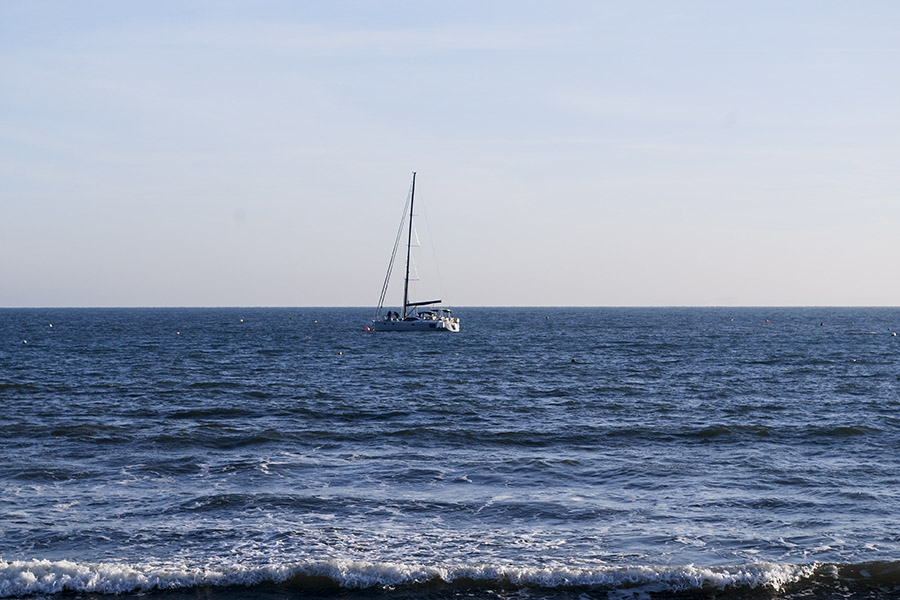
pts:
[20, 578]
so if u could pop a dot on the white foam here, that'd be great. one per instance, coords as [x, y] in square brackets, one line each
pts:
[20, 578]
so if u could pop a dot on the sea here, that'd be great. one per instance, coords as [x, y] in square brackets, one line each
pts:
[539, 454]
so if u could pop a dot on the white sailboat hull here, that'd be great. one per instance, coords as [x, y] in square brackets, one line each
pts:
[448, 324]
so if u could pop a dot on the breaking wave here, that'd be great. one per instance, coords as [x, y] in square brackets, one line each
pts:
[47, 578]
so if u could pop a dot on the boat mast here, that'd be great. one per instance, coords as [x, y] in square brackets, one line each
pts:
[412, 198]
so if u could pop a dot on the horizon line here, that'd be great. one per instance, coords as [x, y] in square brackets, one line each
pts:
[473, 306]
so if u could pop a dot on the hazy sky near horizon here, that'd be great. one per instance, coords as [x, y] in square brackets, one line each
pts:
[568, 153]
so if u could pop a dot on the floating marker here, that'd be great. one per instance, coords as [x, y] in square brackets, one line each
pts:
[51, 324]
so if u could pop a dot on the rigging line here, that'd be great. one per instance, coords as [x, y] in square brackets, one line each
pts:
[437, 268]
[387, 277]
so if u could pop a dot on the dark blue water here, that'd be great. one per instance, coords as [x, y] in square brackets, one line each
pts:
[540, 453]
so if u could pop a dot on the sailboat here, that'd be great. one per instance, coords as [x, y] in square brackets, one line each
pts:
[413, 316]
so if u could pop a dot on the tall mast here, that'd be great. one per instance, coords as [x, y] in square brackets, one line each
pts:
[412, 198]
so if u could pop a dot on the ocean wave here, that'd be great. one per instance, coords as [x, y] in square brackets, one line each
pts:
[45, 577]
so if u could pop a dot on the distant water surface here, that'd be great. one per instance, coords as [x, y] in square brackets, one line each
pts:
[539, 453]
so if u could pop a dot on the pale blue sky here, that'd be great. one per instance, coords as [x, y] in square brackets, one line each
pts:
[569, 153]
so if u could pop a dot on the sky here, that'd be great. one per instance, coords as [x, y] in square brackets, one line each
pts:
[592, 153]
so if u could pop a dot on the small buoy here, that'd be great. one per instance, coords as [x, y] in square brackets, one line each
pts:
[767, 320]
[367, 329]
[894, 334]
[316, 321]
[51, 324]
[340, 353]
[574, 361]
[242, 320]
[177, 333]
[24, 341]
